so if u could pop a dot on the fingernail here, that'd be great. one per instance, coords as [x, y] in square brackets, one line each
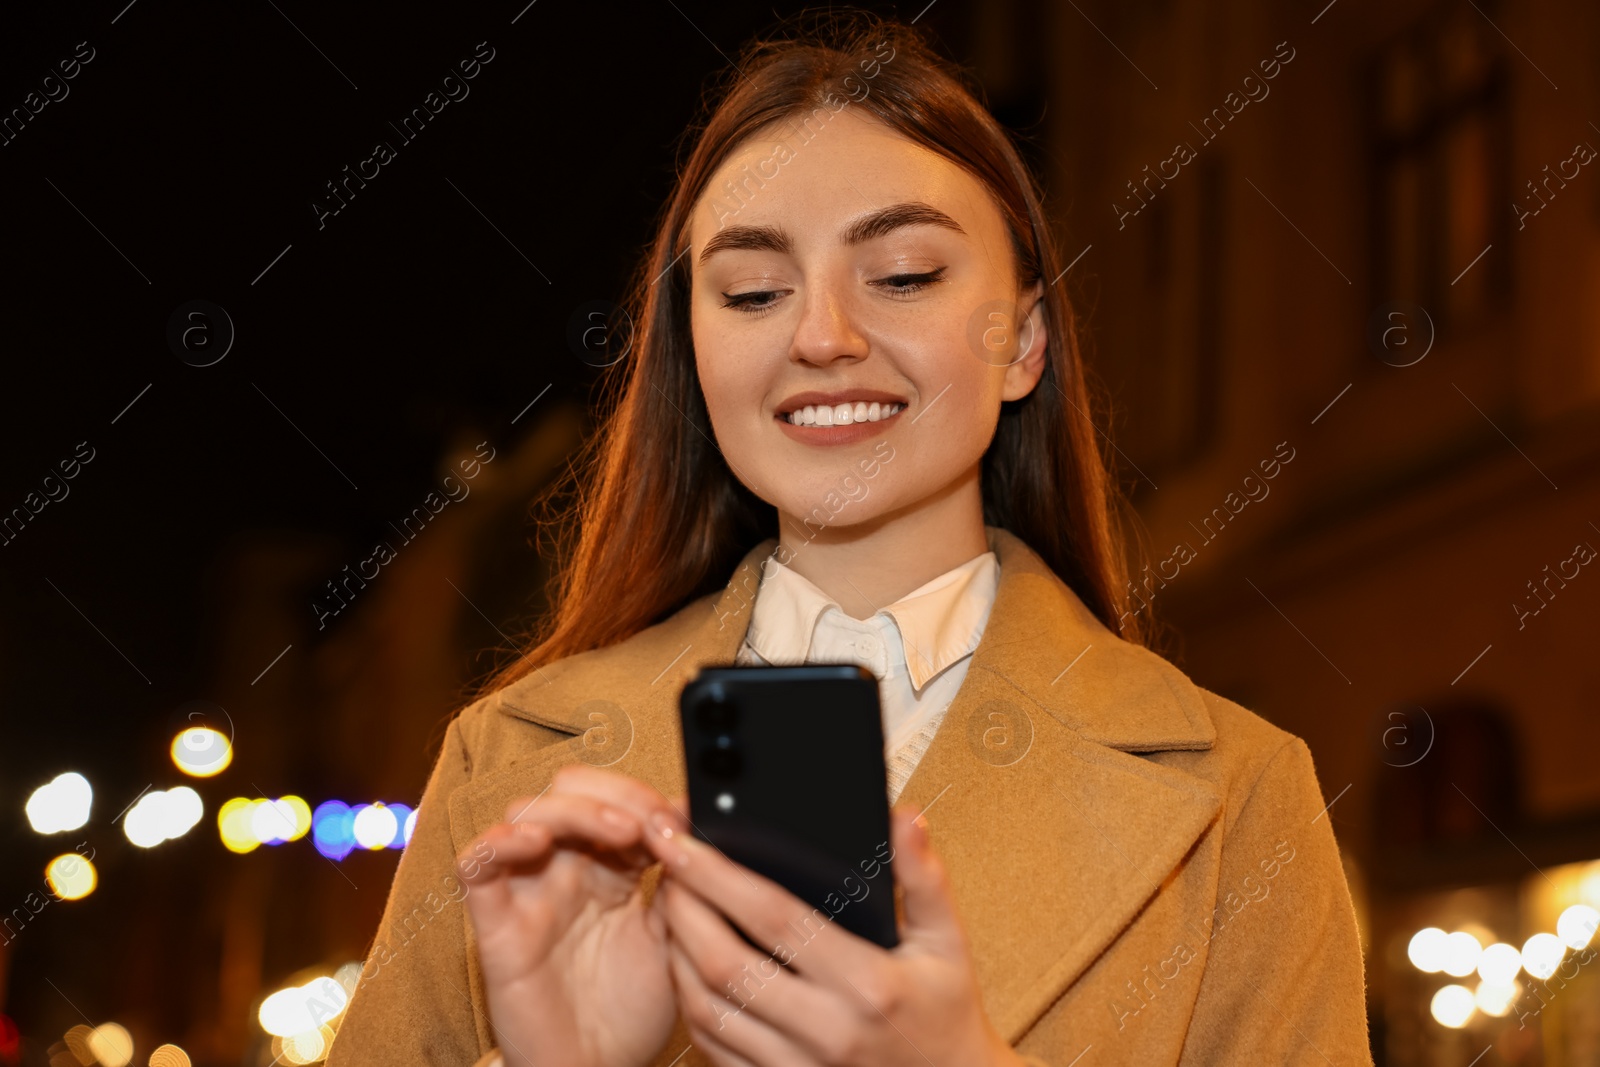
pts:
[673, 843]
[614, 817]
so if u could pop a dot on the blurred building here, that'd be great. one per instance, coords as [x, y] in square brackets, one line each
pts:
[1339, 266]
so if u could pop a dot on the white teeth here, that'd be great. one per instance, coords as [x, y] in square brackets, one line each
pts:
[842, 414]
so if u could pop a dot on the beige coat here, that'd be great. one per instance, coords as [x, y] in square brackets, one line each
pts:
[1145, 870]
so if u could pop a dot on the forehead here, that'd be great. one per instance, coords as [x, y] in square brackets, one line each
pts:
[814, 178]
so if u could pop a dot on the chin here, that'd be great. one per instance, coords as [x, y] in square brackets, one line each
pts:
[831, 509]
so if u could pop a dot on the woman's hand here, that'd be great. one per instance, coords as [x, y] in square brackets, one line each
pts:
[838, 999]
[574, 963]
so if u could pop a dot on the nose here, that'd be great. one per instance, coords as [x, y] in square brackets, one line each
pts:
[827, 330]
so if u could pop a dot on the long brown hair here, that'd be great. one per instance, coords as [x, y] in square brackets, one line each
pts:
[658, 519]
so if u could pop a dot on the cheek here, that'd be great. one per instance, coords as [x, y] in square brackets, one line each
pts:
[717, 372]
[731, 389]
[960, 394]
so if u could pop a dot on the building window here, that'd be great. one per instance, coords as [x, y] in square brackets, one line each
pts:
[1438, 118]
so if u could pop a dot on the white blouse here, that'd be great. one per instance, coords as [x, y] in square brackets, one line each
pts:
[919, 647]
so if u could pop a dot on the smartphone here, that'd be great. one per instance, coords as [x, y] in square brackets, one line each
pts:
[786, 776]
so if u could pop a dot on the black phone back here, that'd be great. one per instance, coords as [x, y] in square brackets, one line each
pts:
[786, 776]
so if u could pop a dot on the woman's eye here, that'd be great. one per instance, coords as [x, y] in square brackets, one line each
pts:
[761, 300]
[752, 303]
[899, 284]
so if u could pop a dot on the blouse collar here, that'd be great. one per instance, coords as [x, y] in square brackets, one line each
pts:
[939, 622]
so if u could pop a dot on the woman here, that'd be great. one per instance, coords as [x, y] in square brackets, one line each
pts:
[854, 391]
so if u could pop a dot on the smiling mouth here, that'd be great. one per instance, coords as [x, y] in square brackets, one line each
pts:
[841, 414]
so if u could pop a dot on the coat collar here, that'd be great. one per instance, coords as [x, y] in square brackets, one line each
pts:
[1053, 832]
[1040, 637]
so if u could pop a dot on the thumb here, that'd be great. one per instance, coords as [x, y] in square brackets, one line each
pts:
[929, 910]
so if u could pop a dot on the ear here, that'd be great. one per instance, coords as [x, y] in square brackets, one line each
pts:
[1023, 373]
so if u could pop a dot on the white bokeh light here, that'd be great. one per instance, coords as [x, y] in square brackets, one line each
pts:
[272, 820]
[298, 1010]
[375, 826]
[1495, 999]
[1542, 954]
[1577, 925]
[61, 804]
[163, 815]
[1427, 950]
[111, 1044]
[1453, 1006]
[1499, 964]
[1461, 952]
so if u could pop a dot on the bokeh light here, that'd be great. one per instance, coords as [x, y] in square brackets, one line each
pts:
[163, 815]
[169, 1056]
[1427, 950]
[233, 823]
[1577, 925]
[1542, 954]
[297, 1010]
[1589, 884]
[304, 1048]
[1453, 1006]
[71, 876]
[348, 975]
[201, 751]
[333, 829]
[1495, 999]
[402, 815]
[61, 804]
[375, 825]
[272, 821]
[300, 813]
[246, 824]
[1461, 952]
[111, 1045]
[77, 1039]
[1499, 964]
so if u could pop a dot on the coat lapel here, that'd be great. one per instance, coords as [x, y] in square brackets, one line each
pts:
[1053, 831]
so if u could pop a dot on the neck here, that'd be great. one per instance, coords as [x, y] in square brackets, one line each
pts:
[870, 565]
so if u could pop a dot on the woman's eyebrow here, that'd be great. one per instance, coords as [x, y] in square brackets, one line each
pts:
[868, 227]
[886, 220]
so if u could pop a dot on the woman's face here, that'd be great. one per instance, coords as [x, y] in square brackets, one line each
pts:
[860, 266]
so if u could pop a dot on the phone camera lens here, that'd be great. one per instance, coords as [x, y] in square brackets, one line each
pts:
[716, 713]
[723, 759]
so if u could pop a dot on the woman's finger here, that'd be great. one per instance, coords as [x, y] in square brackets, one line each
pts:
[527, 845]
[487, 865]
[575, 819]
[930, 912]
[711, 1019]
[503, 849]
[767, 911]
[782, 999]
[632, 795]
